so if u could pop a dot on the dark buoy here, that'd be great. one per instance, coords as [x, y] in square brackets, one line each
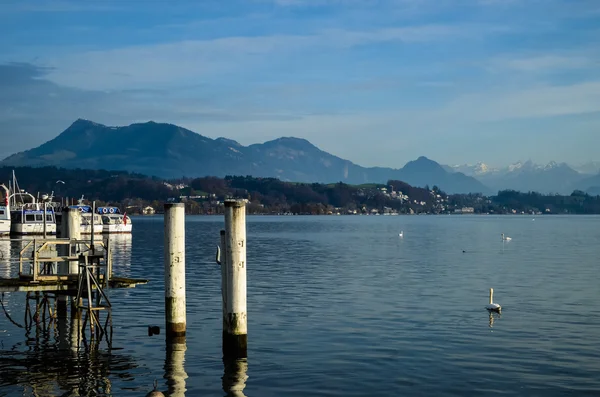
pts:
[155, 393]
[153, 330]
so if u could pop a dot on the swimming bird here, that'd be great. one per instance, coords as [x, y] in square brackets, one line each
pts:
[401, 234]
[506, 238]
[493, 306]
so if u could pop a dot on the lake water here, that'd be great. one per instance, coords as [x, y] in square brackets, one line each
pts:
[341, 306]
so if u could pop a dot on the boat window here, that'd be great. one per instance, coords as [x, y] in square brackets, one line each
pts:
[39, 218]
[29, 218]
[1, 212]
[48, 217]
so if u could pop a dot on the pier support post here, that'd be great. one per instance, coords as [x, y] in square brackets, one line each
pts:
[69, 229]
[235, 333]
[72, 218]
[175, 270]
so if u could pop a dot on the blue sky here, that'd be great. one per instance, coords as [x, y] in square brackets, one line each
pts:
[377, 82]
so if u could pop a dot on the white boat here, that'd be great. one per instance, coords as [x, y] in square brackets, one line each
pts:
[5, 213]
[30, 218]
[113, 221]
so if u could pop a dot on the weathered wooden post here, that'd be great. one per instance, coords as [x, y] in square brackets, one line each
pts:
[72, 218]
[222, 261]
[45, 228]
[92, 226]
[175, 270]
[235, 333]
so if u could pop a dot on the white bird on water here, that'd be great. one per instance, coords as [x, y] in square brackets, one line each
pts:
[493, 306]
[506, 238]
[401, 234]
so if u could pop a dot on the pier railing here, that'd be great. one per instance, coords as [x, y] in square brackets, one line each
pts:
[59, 259]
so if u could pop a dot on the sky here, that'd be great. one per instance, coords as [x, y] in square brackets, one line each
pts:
[378, 82]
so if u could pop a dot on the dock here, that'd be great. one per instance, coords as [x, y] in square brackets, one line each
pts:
[68, 287]
[54, 271]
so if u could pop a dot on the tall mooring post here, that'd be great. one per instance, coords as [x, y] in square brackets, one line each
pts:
[72, 217]
[235, 321]
[70, 229]
[175, 270]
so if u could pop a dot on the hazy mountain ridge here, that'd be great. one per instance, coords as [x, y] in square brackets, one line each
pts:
[170, 151]
[528, 176]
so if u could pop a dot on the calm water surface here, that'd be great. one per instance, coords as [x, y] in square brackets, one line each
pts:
[341, 306]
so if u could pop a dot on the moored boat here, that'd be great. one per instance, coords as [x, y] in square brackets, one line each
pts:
[29, 219]
[113, 221]
[5, 213]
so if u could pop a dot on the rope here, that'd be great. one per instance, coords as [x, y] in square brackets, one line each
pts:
[6, 313]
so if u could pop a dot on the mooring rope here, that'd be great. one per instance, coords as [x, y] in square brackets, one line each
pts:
[6, 313]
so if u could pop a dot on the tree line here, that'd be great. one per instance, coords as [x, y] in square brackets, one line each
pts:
[270, 195]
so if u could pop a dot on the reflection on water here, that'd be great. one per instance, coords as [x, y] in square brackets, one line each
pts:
[174, 369]
[340, 306]
[234, 377]
[493, 317]
[50, 354]
[51, 360]
[5, 255]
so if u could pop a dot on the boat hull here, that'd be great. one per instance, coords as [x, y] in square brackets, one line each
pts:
[26, 229]
[116, 229]
[87, 229]
[4, 227]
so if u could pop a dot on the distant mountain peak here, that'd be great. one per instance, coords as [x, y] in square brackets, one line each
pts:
[85, 122]
[229, 142]
[291, 143]
[423, 164]
[478, 169]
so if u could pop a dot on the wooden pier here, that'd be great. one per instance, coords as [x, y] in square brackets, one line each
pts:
[43, 269]
[54, 269]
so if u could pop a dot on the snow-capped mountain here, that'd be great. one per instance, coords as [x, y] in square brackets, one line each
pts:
[472, 169]
[525, 176]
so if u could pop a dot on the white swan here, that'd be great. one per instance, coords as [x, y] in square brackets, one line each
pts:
[401, 234]
[506, 238]
[493, 306]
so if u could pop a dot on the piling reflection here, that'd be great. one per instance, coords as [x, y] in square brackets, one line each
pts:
[54, 359]
[4, 258]
[174, 367]
[234, 377]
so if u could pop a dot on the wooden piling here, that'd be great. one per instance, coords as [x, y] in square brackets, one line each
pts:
[235, 333]
[45, 228]
[222, 263]
[174, 258]
[72, 219]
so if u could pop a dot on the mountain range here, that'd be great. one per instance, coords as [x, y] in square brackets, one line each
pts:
[528, 176]
[170, 151]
